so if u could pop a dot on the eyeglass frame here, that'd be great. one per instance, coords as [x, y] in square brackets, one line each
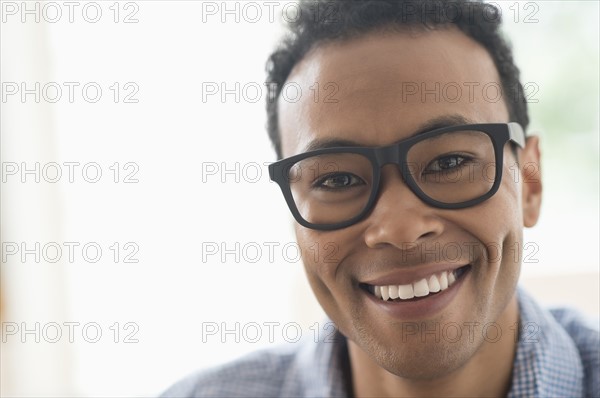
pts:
[397, 153]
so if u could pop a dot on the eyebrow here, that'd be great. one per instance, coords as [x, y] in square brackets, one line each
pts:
[432, 124]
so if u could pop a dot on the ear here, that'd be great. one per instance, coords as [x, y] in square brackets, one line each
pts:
[532, 180]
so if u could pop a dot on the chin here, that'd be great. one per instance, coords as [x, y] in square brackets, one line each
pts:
[414, 359]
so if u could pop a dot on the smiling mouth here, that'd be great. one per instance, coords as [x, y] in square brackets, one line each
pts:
[417, 290]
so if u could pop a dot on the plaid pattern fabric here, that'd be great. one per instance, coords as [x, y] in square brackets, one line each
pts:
[560, 358]
[558, 355]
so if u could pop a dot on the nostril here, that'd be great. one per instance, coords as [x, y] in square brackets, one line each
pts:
[429, 234]
[392, 222]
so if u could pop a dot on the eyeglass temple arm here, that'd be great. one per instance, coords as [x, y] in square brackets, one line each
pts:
[516, 134]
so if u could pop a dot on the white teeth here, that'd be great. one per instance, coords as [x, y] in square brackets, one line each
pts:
[451, 278]
[377, 291]
[385, 293]
[444, 280]
[406, 291]
[421, 288]
[434, 284]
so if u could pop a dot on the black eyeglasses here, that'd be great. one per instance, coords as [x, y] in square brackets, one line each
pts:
[449, 168]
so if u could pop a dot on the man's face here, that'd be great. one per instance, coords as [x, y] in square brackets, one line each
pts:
[403, 240]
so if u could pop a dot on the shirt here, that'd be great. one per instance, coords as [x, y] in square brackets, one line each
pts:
[558, 355]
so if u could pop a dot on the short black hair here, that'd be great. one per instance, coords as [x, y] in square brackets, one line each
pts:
[323, 21]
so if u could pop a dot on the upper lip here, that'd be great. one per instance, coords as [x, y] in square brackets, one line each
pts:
[412, 274]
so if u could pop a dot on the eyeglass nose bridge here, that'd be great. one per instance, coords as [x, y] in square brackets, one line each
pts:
[393, 154]
[387, 154]
[390, 154]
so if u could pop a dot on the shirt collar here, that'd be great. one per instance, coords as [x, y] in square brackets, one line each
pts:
[325, 364]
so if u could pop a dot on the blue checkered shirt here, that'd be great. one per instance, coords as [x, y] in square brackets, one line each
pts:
[559, 356]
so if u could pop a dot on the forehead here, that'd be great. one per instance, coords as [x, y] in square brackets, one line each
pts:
[382, 87]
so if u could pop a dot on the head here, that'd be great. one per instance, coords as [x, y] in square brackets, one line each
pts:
[358, 64]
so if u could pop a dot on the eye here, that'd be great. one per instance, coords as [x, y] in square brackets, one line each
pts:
[447, 162]
[338, 181]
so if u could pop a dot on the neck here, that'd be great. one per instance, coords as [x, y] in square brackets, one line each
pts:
[486, 374]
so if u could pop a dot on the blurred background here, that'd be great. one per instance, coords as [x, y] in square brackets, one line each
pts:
[141, 237]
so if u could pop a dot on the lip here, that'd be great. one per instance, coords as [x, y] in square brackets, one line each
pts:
[404, 276]
[421, 308]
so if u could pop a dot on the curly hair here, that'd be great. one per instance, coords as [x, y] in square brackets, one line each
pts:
[323, 21]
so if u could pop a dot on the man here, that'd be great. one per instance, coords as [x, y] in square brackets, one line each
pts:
[403, 158]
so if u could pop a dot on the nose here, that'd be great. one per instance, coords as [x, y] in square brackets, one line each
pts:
[399, 217]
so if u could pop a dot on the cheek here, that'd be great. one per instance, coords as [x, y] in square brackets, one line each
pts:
[323, 253]
[506, 206]
[320, 254]
[499, 218]
[498, 224]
